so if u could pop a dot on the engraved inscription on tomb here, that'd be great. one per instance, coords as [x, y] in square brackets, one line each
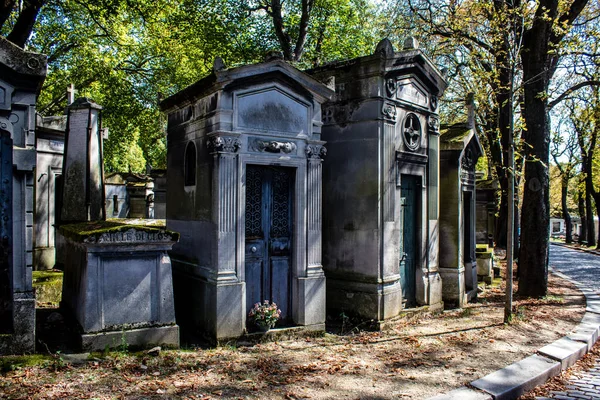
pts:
[130, 236]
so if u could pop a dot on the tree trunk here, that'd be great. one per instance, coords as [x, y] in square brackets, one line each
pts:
[564, 185]
[24, 25]
[535, 212]
[6, 7]
[589, 211]
[597, 201]
[582, 217]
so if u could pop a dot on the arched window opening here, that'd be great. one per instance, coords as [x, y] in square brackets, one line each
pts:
[190, 165]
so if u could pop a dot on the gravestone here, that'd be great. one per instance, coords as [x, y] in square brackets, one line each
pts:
[459, 151]
[117, 282]
[21, 76]
[380, 181]
[244, 190]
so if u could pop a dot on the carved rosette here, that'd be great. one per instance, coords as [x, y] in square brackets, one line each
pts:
[223, 144]
[411, 132]
[315, 151]
[389, 111]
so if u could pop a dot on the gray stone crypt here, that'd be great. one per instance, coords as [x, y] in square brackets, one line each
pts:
[459, 151]
[380, 179]
[244, 190]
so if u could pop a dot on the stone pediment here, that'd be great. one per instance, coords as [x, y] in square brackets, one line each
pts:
[272, 110]
[412, 92]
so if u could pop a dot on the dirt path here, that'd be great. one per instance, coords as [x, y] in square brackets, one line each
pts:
[415, 359]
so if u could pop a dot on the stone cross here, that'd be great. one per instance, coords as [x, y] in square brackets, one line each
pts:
[71, 94]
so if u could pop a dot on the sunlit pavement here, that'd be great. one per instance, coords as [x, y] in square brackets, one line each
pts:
[584, 268]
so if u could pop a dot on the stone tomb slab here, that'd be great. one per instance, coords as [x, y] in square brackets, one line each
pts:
[518, 378]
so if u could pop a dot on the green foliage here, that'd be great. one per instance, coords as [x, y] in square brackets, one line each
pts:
[127, 55]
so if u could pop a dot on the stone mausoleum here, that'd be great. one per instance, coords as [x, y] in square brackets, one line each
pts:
[459, 151]
[244, 191]
[380, 182]
[21, 76]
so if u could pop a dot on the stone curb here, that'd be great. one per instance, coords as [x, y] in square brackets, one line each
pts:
[518, 378]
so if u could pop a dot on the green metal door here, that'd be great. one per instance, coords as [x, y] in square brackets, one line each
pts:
[408, 238]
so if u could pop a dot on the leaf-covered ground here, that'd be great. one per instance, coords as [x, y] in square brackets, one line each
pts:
[416, 358]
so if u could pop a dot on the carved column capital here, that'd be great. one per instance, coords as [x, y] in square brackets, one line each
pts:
[225, 144]
[315, 151]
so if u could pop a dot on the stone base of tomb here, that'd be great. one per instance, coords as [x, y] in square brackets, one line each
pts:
[370, 300]
[118, 284]
[166, 336]
[216, 307]
[21, 339]
[453, 289]
[364, 299]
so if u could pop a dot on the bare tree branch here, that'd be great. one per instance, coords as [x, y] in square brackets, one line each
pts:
[572, 89]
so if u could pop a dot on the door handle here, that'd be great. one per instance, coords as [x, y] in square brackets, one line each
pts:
[403, 257]
[253, 249]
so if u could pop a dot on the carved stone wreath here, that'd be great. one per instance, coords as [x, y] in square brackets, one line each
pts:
[226, 144]
[411, 132]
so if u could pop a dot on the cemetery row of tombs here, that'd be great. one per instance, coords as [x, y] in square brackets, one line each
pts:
[325, 191]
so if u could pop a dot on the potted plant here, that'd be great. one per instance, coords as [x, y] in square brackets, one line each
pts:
[264, 315]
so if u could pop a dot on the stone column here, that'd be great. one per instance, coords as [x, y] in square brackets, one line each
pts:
[227, 317]
[389, 274]
[311, 286]
[434, 292]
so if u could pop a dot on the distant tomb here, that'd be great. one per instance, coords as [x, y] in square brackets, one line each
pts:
[244, 191]
[459, 151]
[21, 76]
[380, 180]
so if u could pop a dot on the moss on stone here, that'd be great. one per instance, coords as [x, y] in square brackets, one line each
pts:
[10, 363]
[48, 287]
[80, 231]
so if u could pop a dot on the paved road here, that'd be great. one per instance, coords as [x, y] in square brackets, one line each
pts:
[584, 268]
[581, 266]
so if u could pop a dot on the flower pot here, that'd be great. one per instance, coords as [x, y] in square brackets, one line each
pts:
[262, 328]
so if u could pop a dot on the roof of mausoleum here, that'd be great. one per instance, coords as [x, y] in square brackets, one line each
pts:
[222, 78]
[409, 60]
[458, 137]
[26, 68]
